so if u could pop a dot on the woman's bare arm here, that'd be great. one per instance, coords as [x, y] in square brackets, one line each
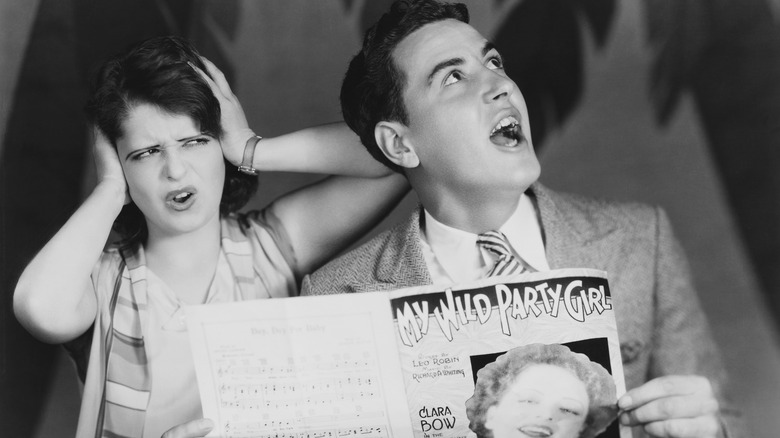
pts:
[53, 299]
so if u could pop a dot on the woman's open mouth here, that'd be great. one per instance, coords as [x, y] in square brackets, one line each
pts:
[536, 431]
[180, 200]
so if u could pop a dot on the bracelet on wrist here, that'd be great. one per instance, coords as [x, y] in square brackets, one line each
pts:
[247, 163]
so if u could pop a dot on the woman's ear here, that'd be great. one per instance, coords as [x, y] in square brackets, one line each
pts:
[392, 140]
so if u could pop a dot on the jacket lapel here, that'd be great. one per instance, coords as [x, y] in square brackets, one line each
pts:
[401, 262]
[570, 242]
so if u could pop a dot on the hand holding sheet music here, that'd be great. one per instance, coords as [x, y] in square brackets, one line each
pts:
[414, 362]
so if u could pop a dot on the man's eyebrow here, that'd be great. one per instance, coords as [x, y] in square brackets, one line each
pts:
[488, 47]
[457, 61]
[442, 65]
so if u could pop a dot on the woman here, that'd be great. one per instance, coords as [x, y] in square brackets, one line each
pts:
[167, 143]
[542, 391]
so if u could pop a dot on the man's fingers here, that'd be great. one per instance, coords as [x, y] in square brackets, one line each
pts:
[665, 386]
[680, 407]
[192, 429]
[703, 427]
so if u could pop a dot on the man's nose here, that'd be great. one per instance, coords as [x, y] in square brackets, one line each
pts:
[499, 86]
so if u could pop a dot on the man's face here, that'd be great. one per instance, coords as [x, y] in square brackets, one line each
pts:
[468, 122]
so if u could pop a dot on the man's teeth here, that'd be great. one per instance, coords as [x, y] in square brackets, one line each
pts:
[506, 122]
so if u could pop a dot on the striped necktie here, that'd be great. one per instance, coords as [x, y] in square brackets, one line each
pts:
[507, 263]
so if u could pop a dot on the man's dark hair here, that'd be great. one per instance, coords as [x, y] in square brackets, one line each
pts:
[157, 71]
[372, 90]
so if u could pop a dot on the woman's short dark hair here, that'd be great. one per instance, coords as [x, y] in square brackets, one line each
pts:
[372, 90]
[158, 71]
[494, 379]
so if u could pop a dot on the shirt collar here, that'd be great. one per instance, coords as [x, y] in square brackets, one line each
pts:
[457, 253]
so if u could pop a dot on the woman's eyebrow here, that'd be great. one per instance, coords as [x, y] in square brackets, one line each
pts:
[192, 137]
[133, 152]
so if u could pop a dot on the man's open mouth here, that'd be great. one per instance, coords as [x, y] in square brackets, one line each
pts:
[507, 132]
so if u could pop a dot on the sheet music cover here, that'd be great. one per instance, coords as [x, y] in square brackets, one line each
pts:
[447, 335]
[535, 355]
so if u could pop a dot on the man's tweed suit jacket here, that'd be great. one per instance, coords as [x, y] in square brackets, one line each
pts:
[661, 326]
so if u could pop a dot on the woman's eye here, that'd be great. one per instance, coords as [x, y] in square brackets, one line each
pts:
[453, 77]
[496, 63]
[570, 411]
[197, 141]
[144, 154]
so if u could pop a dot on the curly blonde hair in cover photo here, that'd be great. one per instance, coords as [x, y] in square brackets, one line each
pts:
[495, 379]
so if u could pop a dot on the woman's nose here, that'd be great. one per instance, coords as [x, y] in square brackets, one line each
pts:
[175, 167]
[544, 413]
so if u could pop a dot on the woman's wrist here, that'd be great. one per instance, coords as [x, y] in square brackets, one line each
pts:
[113, 190]
[248, 160]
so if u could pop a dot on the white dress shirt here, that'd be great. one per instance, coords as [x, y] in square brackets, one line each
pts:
[453, 256]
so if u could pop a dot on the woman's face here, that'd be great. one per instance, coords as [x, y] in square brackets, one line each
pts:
[543, 401]
[174, 172]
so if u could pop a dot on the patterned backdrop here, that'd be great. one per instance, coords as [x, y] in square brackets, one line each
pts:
[665, 101]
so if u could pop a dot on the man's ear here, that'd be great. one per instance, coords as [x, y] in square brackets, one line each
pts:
[392, 140]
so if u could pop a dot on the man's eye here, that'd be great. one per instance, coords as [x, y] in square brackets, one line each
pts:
[496, 63]
[453, 77]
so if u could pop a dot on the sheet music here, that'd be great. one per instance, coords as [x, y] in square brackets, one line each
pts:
[304, 367]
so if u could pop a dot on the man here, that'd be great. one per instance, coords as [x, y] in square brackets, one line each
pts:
[429, 97]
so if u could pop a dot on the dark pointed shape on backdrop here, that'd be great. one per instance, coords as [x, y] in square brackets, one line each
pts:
[726, 55]
[224, 13]
[177, 14]
[372, 11]
[542, 48]
[600, 15]
[677, 32]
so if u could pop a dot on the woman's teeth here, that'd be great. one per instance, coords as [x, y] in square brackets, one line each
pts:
[181, 197]
[537, 431]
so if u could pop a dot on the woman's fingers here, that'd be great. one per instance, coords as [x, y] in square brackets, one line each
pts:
[235, 128]
[107, 165]
[218, 79]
